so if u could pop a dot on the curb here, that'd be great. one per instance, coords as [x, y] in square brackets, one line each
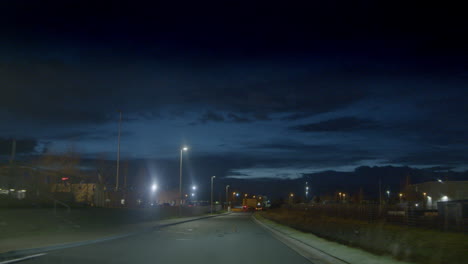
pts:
[9, 255]
[312, 254]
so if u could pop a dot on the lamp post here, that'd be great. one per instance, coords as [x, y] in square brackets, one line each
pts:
[180, 180]
[154, 187]
[227, 196]
[211, 200]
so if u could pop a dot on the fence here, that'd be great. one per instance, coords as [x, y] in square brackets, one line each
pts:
[372, 213]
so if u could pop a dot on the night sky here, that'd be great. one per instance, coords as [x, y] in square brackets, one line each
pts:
[255, 90]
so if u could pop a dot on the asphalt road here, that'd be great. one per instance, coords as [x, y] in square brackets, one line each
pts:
[233, 238]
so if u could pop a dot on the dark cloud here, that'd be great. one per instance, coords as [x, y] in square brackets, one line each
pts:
[238, 119]
[342, 124]
[444, 157]
[210, 116]
[295, 146]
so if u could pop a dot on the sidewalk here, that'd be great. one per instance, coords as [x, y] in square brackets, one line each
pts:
[71, 233]
[327, 251]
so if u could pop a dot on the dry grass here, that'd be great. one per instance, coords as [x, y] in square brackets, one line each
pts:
[404, 243]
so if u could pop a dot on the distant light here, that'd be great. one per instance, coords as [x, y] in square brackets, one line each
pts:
[193, 194]
[444, 198]
[307, 187]
[388, 192]
[186, 195]
[260, 197]
[254, 196]
[417, 205]
[122, 201]
[307, 193]
[424, 193]
[439, 180]
[245, 195]
[194, 187]
[344, 194]
[65, 178]
[429, 198]
[292, 194]
[237, 194]
[185, 148]
[12, 190]
[258, 203]
[400, 194]
[154, 187]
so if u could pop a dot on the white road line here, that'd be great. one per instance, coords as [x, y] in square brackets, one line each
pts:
[23, 258]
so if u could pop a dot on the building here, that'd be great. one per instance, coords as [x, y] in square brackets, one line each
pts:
[429, 193]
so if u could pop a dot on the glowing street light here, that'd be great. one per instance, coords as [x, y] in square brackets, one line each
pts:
[194, 187]
[154, 187]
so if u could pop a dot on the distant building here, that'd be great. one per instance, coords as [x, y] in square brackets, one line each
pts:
[433, 192]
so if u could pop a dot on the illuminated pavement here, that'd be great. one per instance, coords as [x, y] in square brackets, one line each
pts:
[233, 238]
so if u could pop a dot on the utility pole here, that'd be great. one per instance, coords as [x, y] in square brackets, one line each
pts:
[380, 191]
[212, 178]
[227, 196]
[13, 151]
[118, 153]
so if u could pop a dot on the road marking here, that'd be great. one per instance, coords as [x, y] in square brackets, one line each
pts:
[23, 258]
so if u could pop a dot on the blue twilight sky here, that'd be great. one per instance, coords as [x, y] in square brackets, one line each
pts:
[254, 90]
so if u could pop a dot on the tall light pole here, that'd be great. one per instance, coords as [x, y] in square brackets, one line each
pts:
[180, 180]
[118, 153]
[212, 178]
[227, 196]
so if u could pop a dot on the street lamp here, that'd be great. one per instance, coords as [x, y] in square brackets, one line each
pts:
[211, 203]
[227, 196]
[180, 180]
[194, 187]
[154, 187]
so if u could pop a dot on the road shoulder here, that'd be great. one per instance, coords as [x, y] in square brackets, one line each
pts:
[319, 250]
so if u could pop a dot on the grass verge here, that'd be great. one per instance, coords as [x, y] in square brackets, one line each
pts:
[403, 243]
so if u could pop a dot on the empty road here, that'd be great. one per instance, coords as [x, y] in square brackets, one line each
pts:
[233, 238]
